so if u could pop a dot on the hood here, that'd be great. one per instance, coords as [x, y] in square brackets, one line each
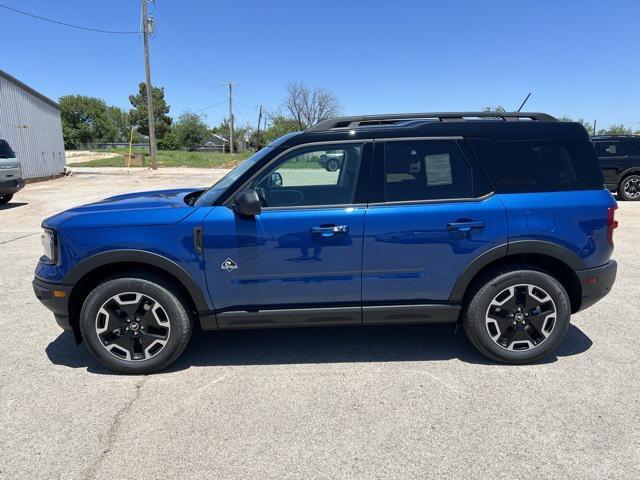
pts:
[161, 207]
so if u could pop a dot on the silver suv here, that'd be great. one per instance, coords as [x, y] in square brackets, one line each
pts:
[10, 173]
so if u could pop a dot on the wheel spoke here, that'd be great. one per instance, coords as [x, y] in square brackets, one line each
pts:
[132, 326]
[521, 317]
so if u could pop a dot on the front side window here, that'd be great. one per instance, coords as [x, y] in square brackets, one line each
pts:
[311, 176]
[426, 170]
[632, 147]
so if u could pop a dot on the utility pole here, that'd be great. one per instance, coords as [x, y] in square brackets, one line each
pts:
[259, 118]
[146, 23]
[594, 127]
[231, 85]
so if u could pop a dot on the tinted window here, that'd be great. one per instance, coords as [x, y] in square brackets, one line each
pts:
[539, 166]
[631, 147]
[608, 149]
[318, 175]
[426, 170]
[5, 150]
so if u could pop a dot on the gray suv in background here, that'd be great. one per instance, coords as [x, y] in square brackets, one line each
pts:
[10, 173]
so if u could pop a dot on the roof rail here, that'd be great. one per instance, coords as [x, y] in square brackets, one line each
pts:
[393, 119]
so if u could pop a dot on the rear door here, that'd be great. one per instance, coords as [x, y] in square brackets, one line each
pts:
[611, 160]
[433, 217]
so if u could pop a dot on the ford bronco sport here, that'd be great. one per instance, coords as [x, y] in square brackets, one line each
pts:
[619, 157]
[499, 221]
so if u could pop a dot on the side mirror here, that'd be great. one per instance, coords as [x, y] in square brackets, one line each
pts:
[248, 204]
[275, 180]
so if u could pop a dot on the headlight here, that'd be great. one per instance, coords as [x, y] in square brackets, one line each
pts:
[49, 244]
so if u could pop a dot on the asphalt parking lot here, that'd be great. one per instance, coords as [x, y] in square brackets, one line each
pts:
[377, 402]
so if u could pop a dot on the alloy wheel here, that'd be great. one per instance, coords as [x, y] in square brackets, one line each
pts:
[521, 317]
[132, 326]
[631, 187]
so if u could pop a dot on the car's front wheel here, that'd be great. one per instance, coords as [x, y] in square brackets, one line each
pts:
[630, 188]
[5, 198]
[135, 325]
[518, 316]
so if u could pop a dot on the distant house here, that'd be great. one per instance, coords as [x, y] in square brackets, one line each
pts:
[214, 143]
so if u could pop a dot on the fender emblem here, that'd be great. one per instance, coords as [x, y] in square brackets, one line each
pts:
[228, 265]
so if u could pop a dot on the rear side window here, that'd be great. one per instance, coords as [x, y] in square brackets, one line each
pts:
[608, 149]
[5, 150]
[418, 170]
[539, 166]
[632, 147]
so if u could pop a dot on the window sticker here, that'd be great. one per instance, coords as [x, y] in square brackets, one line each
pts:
[438, 168]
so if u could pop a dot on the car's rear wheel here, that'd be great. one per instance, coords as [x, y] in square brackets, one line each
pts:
[135, 325]
[5, 198]
[630, 188]
[518, 316]
[333, 165]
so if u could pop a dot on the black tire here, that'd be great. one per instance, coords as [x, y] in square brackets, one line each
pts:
[629, 188]
[332, 165]
[485, 333]
[175, 330]
[5, 198]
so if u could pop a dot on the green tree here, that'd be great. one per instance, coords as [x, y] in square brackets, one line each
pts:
[169, 141]
[239, 133]
[121, 122]
[281, 125]
[190, 130]
[138, 115]
[86, 120]
[615, 130]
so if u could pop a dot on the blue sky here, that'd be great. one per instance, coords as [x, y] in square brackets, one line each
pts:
[579, 58]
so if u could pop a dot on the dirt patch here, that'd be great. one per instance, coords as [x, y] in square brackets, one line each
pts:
[82, 156]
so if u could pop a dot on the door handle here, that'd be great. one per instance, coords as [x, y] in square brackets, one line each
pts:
[465, 225]
[329, 230]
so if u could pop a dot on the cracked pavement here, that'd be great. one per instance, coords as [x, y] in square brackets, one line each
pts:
[377, 402]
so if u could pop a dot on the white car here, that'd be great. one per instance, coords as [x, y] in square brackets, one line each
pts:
[10, 173]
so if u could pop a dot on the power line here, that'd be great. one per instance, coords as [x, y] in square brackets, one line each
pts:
[200, 57]
[57, 22]
[210, 106]
[195, 74]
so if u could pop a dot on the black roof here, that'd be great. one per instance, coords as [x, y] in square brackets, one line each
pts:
[495, 125]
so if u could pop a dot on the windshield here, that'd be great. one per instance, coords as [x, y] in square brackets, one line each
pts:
[211, 196]
[5, 150]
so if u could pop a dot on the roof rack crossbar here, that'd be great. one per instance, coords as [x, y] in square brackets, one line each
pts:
[353, 122]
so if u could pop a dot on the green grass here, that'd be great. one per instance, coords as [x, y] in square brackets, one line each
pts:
[173, 158]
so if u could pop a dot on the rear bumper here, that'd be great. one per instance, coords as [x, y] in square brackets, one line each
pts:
[56, 298]
[11, 186]
[596, 282]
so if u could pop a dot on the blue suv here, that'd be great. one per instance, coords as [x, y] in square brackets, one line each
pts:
[499, 221]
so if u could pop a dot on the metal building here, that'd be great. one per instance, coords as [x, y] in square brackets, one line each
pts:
[31, 123]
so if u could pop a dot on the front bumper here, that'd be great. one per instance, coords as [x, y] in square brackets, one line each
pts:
[596, 282]
[56, 298]
[11, 186]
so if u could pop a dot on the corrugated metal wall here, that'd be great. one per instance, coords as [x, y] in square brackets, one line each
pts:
[33, 129]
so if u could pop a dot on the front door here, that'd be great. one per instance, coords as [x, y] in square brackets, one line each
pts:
[299, 261]
[431, 222]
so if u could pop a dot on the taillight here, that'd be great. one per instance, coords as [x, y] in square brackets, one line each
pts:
[612, 223]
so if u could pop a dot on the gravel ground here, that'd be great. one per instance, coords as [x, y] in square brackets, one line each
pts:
[377, 402]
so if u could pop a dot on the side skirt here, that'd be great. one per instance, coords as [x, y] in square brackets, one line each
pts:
[332, 316]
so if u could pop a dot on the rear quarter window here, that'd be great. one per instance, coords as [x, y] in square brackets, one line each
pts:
[539, 165]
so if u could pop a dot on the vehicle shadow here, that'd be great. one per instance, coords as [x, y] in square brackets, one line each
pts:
[410, 343]
[9, 206]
